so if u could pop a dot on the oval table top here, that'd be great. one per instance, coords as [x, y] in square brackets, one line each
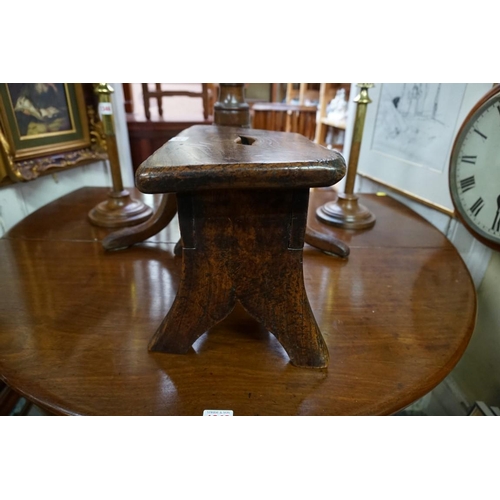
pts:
[75, 321]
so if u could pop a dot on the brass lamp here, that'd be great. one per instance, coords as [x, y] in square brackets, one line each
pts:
[345, 211]
[120, 209]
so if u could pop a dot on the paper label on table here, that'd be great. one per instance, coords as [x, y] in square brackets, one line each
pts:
[178, 139]
[217, 413]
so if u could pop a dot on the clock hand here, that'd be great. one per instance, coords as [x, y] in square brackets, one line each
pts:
[496, 222]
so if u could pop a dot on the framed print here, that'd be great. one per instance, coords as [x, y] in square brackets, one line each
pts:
[46, 125]
[408, 136]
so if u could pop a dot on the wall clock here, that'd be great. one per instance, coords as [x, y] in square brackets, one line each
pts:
[475, 170]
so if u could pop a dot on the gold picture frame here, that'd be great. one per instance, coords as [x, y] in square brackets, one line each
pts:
[46, 126]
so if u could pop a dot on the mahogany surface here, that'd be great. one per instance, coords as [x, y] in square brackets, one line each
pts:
[207, 157]
[243, 247]
[146, 136]
[75, 321]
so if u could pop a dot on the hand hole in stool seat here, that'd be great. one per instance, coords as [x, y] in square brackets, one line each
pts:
[246, 141]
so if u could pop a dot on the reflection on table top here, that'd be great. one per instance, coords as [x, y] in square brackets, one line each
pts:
[75, 321]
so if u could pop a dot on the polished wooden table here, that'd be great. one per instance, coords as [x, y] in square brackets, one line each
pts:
[75, 321]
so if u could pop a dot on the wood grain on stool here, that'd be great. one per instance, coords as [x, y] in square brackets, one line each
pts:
[243, 246]
[242, 200]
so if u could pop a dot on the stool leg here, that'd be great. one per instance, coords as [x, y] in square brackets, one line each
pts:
[204, 298]
[246, 246]
[283, 309]
[268, 275]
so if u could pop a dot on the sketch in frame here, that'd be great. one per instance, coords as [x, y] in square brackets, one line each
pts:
[415, 122]
[44, 126]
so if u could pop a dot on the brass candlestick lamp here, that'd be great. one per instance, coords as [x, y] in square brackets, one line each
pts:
[120, 209]
[345, 211]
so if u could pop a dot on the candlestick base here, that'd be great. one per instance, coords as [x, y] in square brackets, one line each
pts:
[346, 212]
[119, 210]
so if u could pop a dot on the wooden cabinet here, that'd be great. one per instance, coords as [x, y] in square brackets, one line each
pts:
[284, 117]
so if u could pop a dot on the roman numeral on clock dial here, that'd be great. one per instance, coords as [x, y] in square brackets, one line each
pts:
[469, 159]
[480, 133]
[477, 207]
[496, 221]
[467, 184]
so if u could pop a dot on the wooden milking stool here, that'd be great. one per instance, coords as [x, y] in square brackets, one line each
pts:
[242, 198]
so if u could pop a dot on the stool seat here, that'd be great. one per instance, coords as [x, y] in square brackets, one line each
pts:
[217, 157]
[242, 198]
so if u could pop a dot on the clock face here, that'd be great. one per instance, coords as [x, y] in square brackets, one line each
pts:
[475, 170]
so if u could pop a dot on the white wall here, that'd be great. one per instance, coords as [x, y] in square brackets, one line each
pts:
[478, 372]
[19, 200]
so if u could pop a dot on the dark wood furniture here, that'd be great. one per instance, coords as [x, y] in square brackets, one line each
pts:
[207, 96]
[148, 133]
[128, 97]
[76, 321]
[146, 136]
[242, 197]
[283, 117]
[229, 110]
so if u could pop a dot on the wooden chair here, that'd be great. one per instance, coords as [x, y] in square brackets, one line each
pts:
[207, 94]
[283, 117]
